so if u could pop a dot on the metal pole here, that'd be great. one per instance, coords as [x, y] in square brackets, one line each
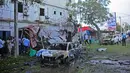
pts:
[120, 24]
[124, 27]
[16, 28]
[80, 28]
[129, 27]
[115, 22]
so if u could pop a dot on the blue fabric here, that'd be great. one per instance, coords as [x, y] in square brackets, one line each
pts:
[26, 42]
[1, 44]
[40, 52]
[88, 32]
[124, 36]
[129, 34]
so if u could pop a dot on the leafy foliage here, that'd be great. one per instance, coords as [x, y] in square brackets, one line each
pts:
[126, 26]
[91, 11]
[118, 27]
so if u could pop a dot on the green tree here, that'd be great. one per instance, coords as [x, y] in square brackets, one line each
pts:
[126, 26]
[91, 12]
[118, 27]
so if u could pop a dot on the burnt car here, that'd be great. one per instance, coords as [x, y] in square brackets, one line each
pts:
[59, 53]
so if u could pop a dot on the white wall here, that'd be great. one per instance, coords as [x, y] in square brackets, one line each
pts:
[7, 11]
[58, 6]
[59, 3]
[6, 26]
[56, 18]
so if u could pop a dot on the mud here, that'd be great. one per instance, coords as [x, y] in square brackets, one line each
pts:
[73, 67]
[121, 66]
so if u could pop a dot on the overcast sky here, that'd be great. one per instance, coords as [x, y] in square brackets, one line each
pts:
[122, 7]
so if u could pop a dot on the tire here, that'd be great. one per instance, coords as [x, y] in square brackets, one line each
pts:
[66, 61]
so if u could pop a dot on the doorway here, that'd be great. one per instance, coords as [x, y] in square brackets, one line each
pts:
[5, 34]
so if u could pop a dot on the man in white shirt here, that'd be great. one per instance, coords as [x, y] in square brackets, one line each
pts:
[86, 39]
[10, 45]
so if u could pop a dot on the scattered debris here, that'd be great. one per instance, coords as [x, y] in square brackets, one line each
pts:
[22, 69]
[58, 53]
[101, 49]
[124, 62]
[110, 62]
[26, 64]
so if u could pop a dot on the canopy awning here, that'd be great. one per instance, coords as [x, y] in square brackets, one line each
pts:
[85, 28]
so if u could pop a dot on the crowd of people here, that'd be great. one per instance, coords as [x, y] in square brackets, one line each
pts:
[7, 47]
[116, 39]
[120, 39]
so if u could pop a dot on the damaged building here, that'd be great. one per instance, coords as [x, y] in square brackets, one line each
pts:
[41, 14]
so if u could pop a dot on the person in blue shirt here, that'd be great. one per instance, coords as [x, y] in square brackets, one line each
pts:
[26, 44]
[129, 34]
[2, 47]
[124, 39]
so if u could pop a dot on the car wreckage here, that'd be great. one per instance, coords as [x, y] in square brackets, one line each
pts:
[58, 53]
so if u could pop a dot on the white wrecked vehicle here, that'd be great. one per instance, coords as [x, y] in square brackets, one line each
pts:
[58, 53]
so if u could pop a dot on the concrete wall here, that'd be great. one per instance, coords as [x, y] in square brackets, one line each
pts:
[7, 13]
[56, 18]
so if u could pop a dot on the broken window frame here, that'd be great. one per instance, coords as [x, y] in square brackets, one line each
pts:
[61, 13]
[2, 2]
[20, 7]
[55, 12]
[42, 12]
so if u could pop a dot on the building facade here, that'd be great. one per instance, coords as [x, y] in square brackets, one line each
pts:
[55, 12]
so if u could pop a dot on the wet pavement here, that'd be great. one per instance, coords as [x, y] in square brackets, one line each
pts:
[120, 66]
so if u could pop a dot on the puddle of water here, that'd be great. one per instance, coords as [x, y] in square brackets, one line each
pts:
[123, 66]
[111, 62]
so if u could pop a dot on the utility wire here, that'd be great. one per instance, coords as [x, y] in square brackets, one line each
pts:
[123, 13]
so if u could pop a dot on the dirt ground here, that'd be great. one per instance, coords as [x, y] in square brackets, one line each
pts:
[73, 67]
[105, 63]
[90, 61]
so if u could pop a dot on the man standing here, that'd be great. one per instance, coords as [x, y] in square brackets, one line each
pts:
[26, 44]
[69, 37]
[90, 39]
[123, 39]
[86, 39]
[1, 47]
[10, 45]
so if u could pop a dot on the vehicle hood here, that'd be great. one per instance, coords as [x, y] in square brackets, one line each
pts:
[53, 53]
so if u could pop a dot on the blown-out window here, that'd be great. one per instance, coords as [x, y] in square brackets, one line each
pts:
[20, 7]
[60, 13]
[42, 11]
[54, 12]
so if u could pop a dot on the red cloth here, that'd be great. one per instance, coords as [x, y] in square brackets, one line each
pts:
[84, 28]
